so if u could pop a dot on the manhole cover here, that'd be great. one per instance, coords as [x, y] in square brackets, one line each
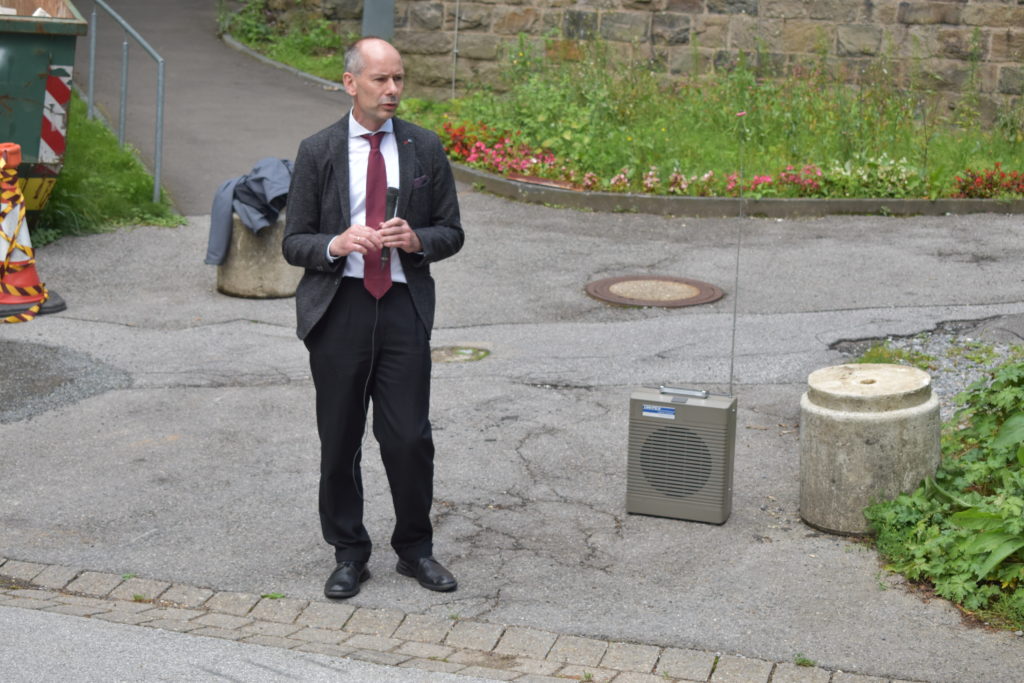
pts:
[654, 290]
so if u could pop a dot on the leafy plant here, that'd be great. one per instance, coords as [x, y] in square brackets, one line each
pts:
[963, 530]
[865, 176]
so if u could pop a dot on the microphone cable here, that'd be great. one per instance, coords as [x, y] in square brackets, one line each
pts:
[358, 455]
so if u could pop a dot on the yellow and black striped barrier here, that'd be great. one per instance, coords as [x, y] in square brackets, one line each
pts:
[20, 287]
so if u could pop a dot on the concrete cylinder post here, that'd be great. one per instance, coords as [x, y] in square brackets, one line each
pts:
[255, 267]
[867, 433]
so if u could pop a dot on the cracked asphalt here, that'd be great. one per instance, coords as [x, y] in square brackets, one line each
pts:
[177, 441]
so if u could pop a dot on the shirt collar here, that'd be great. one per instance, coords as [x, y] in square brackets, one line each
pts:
[356, 129]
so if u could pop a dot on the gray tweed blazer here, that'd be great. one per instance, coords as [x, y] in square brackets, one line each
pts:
[319, 208]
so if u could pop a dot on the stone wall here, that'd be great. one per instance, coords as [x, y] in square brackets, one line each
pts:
[933, 39]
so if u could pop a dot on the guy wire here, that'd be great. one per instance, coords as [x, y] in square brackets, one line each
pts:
[736, 282]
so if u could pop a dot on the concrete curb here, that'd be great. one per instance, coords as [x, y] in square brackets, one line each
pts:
[725, 207]
[381, 636]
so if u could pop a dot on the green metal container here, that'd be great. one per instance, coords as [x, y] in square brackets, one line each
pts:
[37, 58]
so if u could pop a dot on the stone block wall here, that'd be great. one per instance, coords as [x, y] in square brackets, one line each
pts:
[932, 39]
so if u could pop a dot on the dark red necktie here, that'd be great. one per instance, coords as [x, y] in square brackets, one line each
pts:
[376, 275]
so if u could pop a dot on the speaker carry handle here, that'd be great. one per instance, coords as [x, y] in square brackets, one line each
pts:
[692, 393]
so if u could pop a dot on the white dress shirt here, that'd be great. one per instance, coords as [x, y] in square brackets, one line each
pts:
[358, 156]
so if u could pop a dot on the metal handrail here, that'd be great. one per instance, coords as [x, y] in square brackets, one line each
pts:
[158, 152]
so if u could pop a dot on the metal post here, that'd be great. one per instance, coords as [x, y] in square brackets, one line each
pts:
[455, 48]
[158, 153]
[123, 112]
[379, 19]
[92, 61]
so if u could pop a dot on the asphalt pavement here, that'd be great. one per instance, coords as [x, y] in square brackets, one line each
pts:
[167, 431]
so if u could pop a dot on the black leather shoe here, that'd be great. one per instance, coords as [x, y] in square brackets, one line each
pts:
[429, 573]
[345, 579]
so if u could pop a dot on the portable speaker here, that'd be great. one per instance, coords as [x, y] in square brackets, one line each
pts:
[680, 458]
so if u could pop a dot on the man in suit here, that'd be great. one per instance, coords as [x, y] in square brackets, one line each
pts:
[365, 309]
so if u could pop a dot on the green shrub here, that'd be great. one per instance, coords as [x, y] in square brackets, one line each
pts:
[862, 176]
[307, 42]
[963, 531]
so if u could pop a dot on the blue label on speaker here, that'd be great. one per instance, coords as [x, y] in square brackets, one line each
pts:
[666, 412]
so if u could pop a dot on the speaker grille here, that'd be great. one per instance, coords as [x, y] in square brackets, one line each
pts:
[676, 461]
[679, 462]
[680, 458]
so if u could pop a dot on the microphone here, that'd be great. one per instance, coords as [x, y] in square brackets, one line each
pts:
[390, 211]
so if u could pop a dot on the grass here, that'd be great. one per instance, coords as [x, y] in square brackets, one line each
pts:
[100, 187]
[801, 660]
[884, 352]
[978, 353]
[607, 124]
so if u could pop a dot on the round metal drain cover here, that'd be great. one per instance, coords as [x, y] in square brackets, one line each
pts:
[654, 290]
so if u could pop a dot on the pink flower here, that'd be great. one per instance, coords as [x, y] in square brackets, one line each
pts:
[651, 179]
[677, 183]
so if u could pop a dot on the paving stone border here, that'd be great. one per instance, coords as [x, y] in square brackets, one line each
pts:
[383, 636]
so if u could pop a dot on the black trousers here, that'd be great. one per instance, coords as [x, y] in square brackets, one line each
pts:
[367, 351]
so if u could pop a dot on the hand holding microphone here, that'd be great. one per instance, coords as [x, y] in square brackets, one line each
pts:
[390, 211]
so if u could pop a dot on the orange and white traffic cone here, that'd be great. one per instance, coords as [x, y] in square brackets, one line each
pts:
[22, 295]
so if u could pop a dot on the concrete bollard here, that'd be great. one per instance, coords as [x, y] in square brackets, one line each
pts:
[867, 433]
[255, 267]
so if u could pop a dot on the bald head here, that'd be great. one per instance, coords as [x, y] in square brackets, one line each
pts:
[364, 48]
[375, 78]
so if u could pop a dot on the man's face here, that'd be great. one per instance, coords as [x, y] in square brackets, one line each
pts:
[377, 89]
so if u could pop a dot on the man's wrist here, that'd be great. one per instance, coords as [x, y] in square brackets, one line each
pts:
[331, 258]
